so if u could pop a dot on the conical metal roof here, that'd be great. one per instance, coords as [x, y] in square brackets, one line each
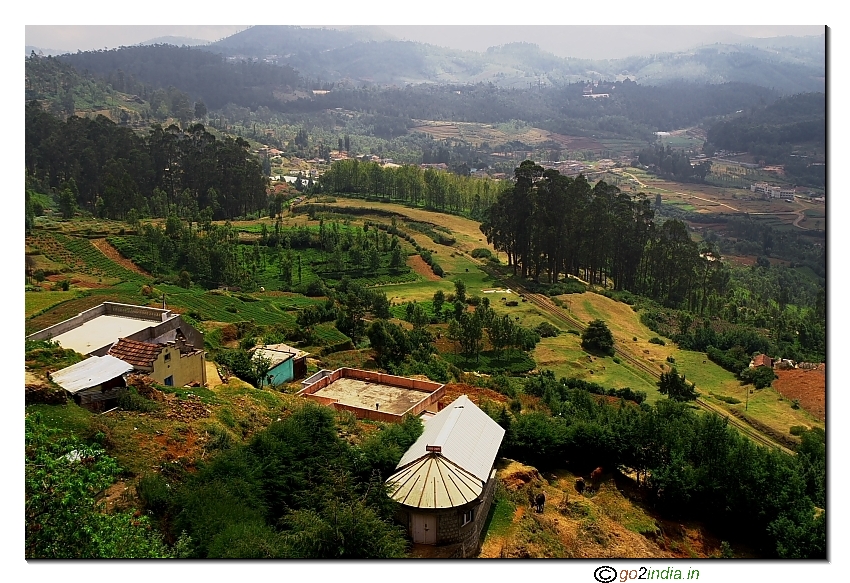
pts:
[451, 461]
[432, 481]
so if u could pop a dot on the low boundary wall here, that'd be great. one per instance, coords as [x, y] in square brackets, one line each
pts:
[104, 309]
[432, 392]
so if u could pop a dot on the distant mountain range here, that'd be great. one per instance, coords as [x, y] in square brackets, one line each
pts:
[42, 51]
[369, 55]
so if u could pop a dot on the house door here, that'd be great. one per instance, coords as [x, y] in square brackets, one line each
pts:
[169, 381]
[424, 529]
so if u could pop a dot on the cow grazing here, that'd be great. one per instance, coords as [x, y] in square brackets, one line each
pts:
[580, 485]
[596, 473]
[539, 501]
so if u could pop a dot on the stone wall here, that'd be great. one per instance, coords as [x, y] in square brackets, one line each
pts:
[460, 540]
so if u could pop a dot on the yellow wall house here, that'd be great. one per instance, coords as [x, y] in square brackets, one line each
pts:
[175, 363]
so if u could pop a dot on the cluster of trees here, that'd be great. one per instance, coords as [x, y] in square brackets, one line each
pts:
[212, 255]
[597, 338]
[406, 352]
[209, 254]
[673, 163]
[411, 184]
[758, 238]
[554, 224]
[295, 490]
[691, 465]
[112, 171]
[467, 328]
[750, 324]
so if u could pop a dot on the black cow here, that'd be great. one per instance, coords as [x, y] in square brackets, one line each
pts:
[580, 485]
[539, 501]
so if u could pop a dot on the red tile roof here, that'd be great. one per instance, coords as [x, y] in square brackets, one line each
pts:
[135, 352]
[762, 360]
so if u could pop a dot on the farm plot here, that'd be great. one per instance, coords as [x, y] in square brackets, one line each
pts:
[225, 308]
[80, 256]
[37, 302]
[808, 387]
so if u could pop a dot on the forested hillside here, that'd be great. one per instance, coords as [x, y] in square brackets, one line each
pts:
[789, 131]
[110, 170]
[203, 75]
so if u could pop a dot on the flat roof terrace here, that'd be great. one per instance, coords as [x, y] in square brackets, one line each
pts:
[359, 391]
[99, 332]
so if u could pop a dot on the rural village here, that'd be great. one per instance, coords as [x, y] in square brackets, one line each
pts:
[320, 332]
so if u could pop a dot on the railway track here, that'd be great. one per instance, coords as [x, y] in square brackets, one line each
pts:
[548, 306]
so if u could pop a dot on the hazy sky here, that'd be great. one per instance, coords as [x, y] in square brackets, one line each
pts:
[582, 41]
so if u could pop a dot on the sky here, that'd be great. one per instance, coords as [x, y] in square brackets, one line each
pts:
[580, 41]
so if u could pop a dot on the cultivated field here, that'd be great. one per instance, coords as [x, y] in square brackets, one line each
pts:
[497, 135]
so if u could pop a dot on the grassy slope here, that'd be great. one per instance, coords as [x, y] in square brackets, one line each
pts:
[765, 406]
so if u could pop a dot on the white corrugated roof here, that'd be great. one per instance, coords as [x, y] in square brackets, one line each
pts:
[89, 373]
[279, 353]
[468, 437]
[432, 481]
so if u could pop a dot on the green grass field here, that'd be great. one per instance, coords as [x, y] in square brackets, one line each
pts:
[36, 302]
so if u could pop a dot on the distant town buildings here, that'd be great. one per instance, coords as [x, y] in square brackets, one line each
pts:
[767, 191]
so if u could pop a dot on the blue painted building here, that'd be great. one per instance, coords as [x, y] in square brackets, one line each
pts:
[287, 363]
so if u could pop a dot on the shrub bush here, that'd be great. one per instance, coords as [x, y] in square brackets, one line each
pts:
[131, 400]
[546, 330]
[481, 253]
[598, 338]
[657, 340]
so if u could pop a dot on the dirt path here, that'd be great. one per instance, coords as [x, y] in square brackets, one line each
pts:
[708, 200]
[112, 253]
[635, 178]
[213, 380]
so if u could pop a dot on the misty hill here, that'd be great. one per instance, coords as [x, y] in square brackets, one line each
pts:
[790, 131]
[364, 54]
[200, 74]
[41, 51]
[177, 41]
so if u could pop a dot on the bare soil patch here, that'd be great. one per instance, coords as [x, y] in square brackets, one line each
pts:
[418, 265]
[475, 394]
[808, 386]
[112, 253]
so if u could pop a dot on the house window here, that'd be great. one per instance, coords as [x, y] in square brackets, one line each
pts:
[167, 356]
[468, 517]
[169, 381]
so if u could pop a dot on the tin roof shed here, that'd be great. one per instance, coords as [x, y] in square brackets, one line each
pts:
[89, 373]
[278, 353]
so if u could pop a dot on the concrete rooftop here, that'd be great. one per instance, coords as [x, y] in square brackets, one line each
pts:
[363, 394]
[100, 332]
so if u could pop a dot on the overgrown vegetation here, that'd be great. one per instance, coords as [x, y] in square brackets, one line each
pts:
[296, 490]
[64, 517]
